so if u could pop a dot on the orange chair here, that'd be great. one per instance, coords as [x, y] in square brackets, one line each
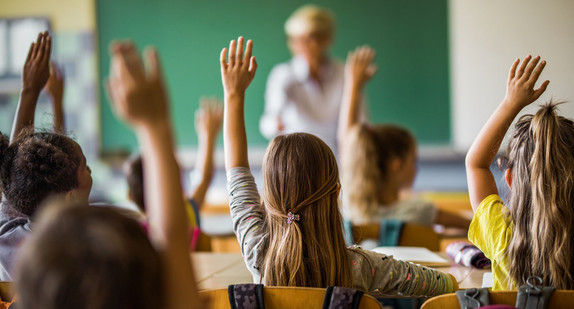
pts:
[412, 235]
[283, 297]
[560, 299]
[6, 294]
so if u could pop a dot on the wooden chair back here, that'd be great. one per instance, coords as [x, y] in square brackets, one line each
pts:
[560, 299]
[6, 290]
[412, 235]
[203, 243]
[283, 297]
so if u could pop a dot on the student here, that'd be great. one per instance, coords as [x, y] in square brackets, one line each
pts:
[208, 124]
[532, 234]
[379, 161]
[304, 94]
[295, 237]
[35, 165]
[92, 257]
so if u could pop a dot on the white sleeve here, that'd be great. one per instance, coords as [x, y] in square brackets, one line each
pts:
[275, 100]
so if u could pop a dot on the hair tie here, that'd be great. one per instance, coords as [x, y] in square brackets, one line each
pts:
[292, 217]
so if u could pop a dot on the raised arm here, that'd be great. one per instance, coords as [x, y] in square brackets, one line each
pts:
[139, 98]
[55, 89]
[520, 92]
[207, 123]
[359, 69]
[34, 76]
[236, 75]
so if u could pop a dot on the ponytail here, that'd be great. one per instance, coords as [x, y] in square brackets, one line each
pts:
[306, 246]
[542, 201]
[365, 160]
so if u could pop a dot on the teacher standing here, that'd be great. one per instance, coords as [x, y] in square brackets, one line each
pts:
[305, 93]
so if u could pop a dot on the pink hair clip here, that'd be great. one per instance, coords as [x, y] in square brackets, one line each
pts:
[292, 217]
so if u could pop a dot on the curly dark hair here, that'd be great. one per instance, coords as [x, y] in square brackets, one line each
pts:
[35, 166]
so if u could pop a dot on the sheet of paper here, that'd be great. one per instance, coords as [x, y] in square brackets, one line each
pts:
[487, 280]
[417, 255]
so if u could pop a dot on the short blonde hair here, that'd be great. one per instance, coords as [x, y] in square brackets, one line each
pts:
[310, 19]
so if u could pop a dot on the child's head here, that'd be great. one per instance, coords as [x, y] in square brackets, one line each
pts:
[133, 169]
[37, 165]
[88, 257]
[310, 30]
[375, 157]
[541, 177]
[300, 196]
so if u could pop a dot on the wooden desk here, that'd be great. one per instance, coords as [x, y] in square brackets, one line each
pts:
[218, 270]
[465, 276]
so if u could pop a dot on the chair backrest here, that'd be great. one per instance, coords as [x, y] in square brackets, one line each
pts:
[6, 290]
[560, 299]
[283, 297]
[412, 235]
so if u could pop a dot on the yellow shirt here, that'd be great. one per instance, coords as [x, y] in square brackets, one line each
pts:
[491, 231]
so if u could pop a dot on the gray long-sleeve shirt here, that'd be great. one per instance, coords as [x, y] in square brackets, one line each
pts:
[372, 272]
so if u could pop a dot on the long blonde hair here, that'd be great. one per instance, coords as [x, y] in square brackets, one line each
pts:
[541, 158]
[300, 177]
[366, 157]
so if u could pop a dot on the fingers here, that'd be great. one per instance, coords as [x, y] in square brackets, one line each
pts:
[512, 71]
[129, 63]
[536, 74]
[30, 51]
[248, 52]
[232, 46]
[152, 58]
[372, 70]
[252, 67]
[538, 92]
[223, 58]
[47, 48]
[239, 55]
[531, 67]
[36, 46]
[523, 66]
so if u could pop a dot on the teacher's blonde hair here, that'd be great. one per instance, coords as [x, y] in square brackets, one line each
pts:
[310, 19]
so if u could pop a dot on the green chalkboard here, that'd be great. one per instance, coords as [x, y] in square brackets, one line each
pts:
[411, 39]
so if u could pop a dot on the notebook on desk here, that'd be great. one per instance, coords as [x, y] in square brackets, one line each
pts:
[417, 255]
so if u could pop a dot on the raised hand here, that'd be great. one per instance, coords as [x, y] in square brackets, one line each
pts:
[34, 76]
[55, 84]
[139, 97]
[208, 118]
[360, 68]
[520, 87]
[237, 72]
[138, 92]
[37, 66]
[55, 89]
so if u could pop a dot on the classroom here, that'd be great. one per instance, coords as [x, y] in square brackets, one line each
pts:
[412, 123]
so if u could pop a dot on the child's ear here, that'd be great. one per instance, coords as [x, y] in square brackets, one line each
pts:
[396, 164]
[69, 197]
[508, 177]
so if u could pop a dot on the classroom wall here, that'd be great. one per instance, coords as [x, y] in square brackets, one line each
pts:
[66, 15]
[485, 38]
